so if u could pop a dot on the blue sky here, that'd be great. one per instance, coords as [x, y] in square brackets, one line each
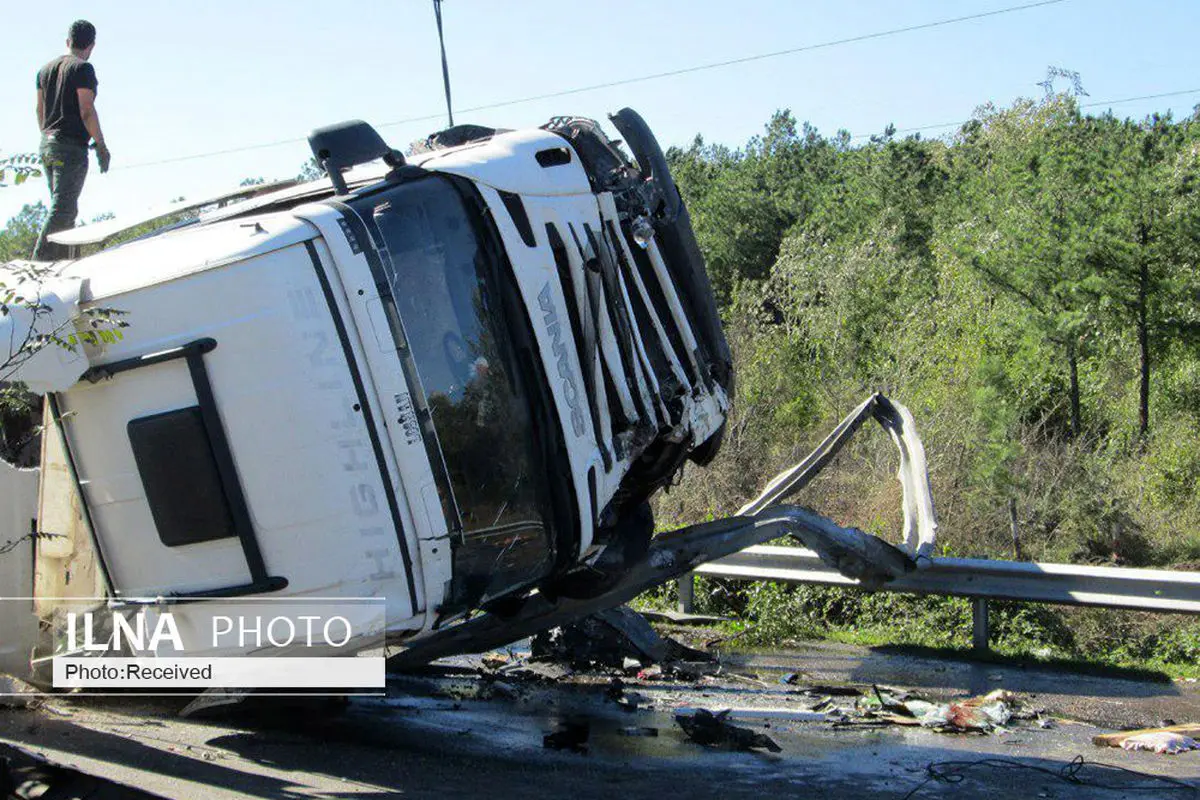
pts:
[180, 79]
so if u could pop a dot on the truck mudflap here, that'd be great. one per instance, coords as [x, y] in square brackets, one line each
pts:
[852, 552]
[677, 241]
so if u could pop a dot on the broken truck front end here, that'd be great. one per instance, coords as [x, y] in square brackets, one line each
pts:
[451, 382]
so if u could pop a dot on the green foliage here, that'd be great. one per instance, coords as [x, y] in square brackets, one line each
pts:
[1027, 287]
[311, 170]
[19, 409]
[19, 168]
[21, 233]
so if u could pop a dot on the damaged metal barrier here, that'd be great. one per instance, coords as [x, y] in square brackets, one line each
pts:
[854, 553]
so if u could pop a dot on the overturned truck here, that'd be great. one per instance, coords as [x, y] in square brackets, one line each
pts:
[452, 381]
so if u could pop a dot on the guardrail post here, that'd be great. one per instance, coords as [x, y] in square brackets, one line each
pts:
[979, 624]
[687, 592]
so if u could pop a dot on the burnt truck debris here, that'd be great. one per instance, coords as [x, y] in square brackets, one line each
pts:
[452, 381]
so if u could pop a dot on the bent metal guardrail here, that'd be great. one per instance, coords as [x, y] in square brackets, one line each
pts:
[979, 579]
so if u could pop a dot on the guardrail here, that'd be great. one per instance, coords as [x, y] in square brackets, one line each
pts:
[979, 579]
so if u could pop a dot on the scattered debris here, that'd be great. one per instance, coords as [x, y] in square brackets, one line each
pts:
[884, 706]
[824, 704]
[743, 677]
[605, 639]
[994, 696]
[713, 730]
[694, 670]
[832, 691]
[496, 660]
[889, 700]
[919, 708]
[651, 673]
[626, 700]
[572, 736]
[960, 717]
[542, 671]
[632, 701]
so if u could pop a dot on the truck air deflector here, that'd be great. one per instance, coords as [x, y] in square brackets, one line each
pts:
[618, 392]
[455, 361]
[193, 354]
[619, 320]
[370, 243]
[585, 337]
[361, 393]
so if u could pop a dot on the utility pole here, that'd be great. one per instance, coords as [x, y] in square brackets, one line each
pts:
[437, 13]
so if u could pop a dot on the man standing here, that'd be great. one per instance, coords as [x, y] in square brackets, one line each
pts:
[66, 112]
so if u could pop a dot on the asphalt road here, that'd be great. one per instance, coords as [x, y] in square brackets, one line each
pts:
[451, 734]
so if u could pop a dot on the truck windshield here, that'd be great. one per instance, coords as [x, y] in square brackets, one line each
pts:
[450, 313]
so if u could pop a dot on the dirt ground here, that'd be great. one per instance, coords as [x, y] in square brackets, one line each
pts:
[450, 732]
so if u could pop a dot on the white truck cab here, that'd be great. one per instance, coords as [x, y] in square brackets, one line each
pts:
[447, 381]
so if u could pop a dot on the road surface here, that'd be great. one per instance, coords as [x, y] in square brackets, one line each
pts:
[450, 734]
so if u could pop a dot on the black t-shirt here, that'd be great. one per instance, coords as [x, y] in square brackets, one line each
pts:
[59, 81]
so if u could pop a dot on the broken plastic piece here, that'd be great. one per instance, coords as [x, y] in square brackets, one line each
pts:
[610, 637]
[1118, 739]
[1161, 742]
[963, 717]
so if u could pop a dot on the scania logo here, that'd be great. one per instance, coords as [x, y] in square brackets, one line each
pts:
[554, 328]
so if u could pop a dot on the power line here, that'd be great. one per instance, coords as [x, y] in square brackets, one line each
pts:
[747, 59]
[1094, 104]
[1143, 97]
[639, 79]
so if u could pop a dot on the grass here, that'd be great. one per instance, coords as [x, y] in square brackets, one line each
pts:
[1126, 644]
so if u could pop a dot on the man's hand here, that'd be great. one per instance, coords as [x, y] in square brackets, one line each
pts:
[103, 156]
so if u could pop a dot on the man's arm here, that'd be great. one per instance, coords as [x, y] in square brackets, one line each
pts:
[91, 121]
[87, 111]
[41, 108]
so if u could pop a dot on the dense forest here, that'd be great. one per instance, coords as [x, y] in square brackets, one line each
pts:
[1027, 285]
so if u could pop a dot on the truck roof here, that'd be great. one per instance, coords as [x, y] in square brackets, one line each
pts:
[254, 220]
[186, 251]
[508, 161]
